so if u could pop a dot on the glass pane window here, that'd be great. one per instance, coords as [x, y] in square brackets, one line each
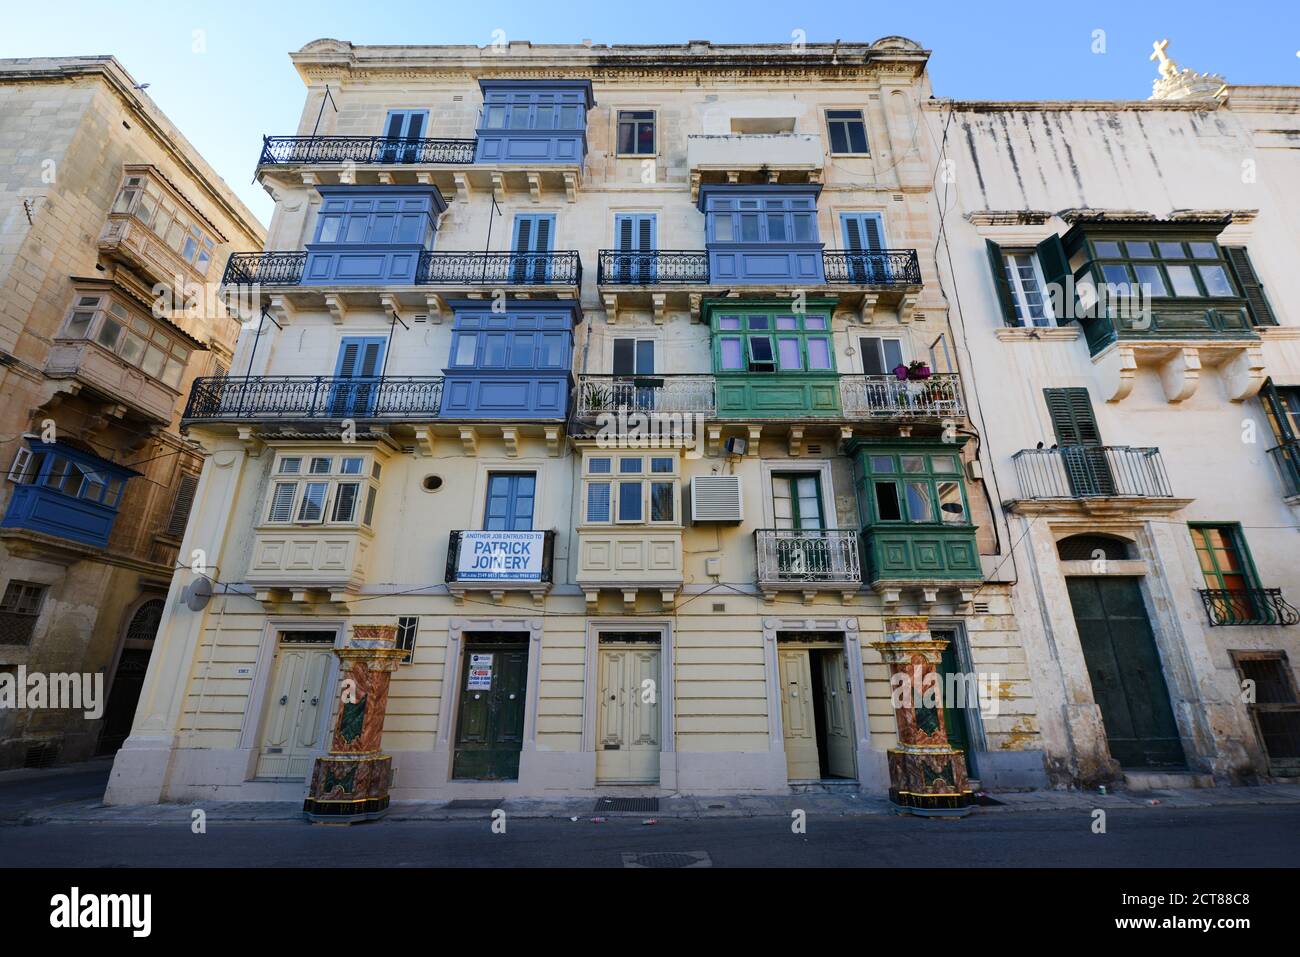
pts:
[598, 466]
[598, 502]
[1215, 278]
[282, 502]
[345, 502]
[1151, 280]
[1026, 285]
[888, 508]
[312, 506]
[848, 131]
[1184, 283]
[952, 509]
[661, 502]
[636, 132]
[919, 505]
[629, 501]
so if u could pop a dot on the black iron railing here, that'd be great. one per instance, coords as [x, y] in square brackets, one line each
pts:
[685, 395]
[269, 269]
[314, 397]
[620, 267]
[500, 269]
[1248, 606]
[884, 267]
[1287, 459]
[452, 574]
[364, 149]
[1084, 471]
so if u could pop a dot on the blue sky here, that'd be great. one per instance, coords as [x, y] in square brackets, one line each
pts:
[242, 85]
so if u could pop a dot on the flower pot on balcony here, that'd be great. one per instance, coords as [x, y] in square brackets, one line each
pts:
[918, 371]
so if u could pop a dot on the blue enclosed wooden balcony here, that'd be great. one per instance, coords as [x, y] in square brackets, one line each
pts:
[65, 492]
[534, 122]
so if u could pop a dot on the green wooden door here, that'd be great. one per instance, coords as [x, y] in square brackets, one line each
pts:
[797, 509]
[490, 723]
[1128, 682]
[955, 717]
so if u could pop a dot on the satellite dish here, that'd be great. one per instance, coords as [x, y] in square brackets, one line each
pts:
[196, 593]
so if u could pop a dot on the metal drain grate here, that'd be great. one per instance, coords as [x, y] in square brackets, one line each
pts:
[40, 756]
[474, 804]
[638, 805]
[660, 859]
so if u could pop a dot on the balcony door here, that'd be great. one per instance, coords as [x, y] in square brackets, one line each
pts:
[1079, 440]
[510, 501]
[634, 383]
[403, 125]
[534, 233]
[635, 237]
[864, 234]
[356, 377]
[801, 553]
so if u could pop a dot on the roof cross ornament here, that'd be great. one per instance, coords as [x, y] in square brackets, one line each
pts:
[1168, 68]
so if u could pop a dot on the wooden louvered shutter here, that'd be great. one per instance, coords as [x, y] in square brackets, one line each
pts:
[1261, 313]
[1079, 438]
[1072, 418]
[998, 264]
[181, 507]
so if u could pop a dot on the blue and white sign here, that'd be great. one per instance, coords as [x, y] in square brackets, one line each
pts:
[500, 556]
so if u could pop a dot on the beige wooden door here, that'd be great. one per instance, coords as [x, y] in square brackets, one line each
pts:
[293, 734]
[627, 719]
[797, 717]
[837, 714]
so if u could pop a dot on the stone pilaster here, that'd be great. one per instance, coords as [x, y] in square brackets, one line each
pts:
[351, 783]
[927, 776]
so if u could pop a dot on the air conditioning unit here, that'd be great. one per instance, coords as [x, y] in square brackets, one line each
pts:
[716, 498]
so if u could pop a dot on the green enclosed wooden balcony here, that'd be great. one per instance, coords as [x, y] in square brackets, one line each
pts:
[917, 532]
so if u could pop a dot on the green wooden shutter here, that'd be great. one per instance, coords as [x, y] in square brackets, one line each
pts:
[1261, 313]
[1056, 273]
[1072, 418]
[1000, 283]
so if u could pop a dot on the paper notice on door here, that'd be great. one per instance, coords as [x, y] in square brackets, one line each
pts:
[480, 673]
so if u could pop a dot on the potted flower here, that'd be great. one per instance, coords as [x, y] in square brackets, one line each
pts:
[918, 371]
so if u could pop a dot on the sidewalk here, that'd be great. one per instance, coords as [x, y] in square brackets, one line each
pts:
[675, 806]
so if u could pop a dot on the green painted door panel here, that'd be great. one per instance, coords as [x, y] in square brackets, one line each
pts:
[778, 395]
[923, 552]
[490, 722]
[1128, 682]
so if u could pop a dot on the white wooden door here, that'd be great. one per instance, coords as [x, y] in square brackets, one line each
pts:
[837, 714]
[294, 732]
[627, 719]
[797, 717]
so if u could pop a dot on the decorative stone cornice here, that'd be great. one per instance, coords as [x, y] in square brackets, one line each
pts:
[1008, 217]
[895, 58]
[1134, 507]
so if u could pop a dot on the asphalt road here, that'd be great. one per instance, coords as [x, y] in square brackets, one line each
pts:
[1253, 836]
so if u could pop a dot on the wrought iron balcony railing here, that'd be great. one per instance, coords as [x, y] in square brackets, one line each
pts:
[888, 397]
[364, 149]
[436, 268]
[618, 267]
[502, 577]
[314, 397]
[501, 269]
[658, 394]
[1287, 459]
[268, 269]
[802, 557]
[1085, 471]
[1248, 606]
[881, 267]
[884, 267]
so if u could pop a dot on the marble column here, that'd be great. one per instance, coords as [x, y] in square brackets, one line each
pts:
[351, 783]
[927, 776]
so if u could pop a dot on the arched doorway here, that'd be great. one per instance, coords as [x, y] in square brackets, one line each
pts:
[128, 679]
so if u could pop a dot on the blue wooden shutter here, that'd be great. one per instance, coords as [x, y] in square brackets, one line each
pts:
[864, 235]
[534, 233]
[360, 358]
[510, 501]
[635, 233]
